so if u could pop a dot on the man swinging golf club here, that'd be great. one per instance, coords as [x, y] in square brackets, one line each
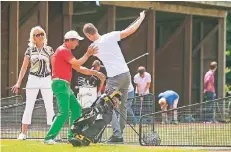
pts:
[118, 73]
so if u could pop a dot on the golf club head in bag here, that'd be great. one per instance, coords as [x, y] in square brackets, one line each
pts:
[88, 129]
[151, 139]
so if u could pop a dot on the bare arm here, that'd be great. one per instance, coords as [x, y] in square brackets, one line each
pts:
[138, 89]
[23, 70]
[90, 51]
[130, 30]
[84, 70]
[80, 61]
[87, 71]
[147, 86]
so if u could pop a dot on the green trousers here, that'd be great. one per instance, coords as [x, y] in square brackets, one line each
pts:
[67, 106]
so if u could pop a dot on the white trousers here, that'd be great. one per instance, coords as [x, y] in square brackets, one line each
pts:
[34, 84]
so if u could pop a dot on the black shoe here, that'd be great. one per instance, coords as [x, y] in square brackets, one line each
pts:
[75, 142]
[115, 140]
[78, 143]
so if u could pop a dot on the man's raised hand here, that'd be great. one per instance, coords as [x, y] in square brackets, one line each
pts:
[142, 14]
[92, 49]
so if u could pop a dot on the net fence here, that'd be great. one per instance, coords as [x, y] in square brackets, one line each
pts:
[12, 109]
[202, 124]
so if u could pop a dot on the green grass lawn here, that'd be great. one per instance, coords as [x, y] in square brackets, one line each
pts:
[184, 134]
[39, 146]
[195, 134]
[181, 134]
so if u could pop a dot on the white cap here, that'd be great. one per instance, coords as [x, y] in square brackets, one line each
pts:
[72, 35]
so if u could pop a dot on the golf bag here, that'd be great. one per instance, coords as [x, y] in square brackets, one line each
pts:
[91, 125]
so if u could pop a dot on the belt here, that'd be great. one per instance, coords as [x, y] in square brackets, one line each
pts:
[40, 75]
[61, 79]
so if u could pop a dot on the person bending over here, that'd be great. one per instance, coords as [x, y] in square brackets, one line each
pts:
[169, 98]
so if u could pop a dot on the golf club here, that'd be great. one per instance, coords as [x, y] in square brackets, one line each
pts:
[19, 104]
[97, 2]
[145, 11]
[137, 58]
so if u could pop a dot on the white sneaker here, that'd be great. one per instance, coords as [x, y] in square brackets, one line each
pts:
[22, 136]
[58, 138]
[49, 142]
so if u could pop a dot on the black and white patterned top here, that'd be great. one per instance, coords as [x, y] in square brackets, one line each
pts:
[40, 60]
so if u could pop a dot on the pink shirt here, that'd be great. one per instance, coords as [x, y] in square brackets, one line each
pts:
[209, 82]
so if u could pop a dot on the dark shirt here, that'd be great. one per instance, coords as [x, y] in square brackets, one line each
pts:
[96, 81]
[103, 70]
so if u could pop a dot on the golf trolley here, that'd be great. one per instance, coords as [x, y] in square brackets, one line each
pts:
[96, 115]
[88, 128]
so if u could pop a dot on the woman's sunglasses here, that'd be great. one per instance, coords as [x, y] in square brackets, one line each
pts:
[38, 35]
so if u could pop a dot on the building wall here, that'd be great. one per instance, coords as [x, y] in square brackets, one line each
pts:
[169, 67]
[55, 24]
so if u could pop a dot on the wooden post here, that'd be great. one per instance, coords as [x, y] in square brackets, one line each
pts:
[201, 63]
[151, 48]
[13, 43]
[43, 15]
[221, 58]
[67, 16]
[221, 64]
[111, 18]
[188, 61]
[201, 68]
[161, 35]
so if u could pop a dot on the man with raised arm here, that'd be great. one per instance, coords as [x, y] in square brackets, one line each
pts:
[110, 54]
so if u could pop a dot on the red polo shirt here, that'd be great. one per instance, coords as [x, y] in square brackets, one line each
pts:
[61, 68]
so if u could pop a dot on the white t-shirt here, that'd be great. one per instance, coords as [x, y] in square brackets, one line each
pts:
[142, 82]
[110, 54]
[130, 88]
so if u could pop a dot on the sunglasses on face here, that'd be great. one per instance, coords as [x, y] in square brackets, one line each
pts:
[38, 35]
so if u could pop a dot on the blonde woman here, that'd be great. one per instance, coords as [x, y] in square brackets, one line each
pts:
[38, 55]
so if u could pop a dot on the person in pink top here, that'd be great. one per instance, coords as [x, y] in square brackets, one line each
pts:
[209, 92]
